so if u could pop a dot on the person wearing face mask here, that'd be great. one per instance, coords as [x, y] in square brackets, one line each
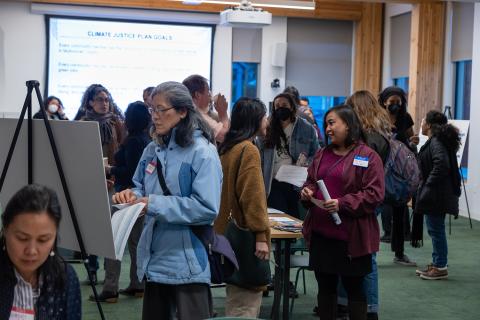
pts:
[290, 140]
[353, 175]
[394, 99]
[395, 219]
[54, 109]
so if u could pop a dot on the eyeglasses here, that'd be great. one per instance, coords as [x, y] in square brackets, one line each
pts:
[100, 99]
[158, 110]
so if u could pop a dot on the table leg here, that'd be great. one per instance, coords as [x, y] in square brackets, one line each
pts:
[277, 285]
[286, 280]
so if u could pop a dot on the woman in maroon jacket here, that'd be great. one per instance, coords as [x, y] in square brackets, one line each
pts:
[354, 177]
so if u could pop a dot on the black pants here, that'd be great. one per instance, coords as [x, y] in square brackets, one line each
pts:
[186, 302]
[328, 283]
[399, 213]
[387, 216]
[284, 197]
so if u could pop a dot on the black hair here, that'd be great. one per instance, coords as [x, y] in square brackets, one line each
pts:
[195, 83]
[394, 91]
[179, 98]
[49, 99]
[89, 95]
[246, 119]
[348, 115]
[274, 130]
[294, 92]
[305, 98]
[445, 132]
[137, 117]
[36, 198]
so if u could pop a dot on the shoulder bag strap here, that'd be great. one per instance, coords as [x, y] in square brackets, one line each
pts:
[161, 179]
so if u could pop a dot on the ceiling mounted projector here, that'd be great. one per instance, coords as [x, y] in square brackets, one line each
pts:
[245, 16]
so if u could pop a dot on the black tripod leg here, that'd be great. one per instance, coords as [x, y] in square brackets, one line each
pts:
[466, 200]
[68, 198]
[26, 104]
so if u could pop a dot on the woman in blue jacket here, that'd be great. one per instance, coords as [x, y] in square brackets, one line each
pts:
[170, 257]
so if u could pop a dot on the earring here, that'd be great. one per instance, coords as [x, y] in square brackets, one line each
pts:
[52, 253]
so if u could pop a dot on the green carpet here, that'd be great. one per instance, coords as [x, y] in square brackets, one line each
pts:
[402, 295]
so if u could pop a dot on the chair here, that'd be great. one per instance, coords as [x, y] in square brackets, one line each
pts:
[301, 262]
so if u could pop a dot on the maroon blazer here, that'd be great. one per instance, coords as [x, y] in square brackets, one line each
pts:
[363, 190]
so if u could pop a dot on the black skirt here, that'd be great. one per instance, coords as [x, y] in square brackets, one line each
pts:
[331, 256]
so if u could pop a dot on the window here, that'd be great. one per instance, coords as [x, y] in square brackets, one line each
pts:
[244, 80]
[463, 84]
[321, 104]
[402, 83]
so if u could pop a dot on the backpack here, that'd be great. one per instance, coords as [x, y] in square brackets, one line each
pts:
[402, 175]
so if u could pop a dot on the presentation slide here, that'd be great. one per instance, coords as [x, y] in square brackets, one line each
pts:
[125, 57]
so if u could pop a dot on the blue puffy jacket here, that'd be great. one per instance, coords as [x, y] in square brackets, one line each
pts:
[168, 252]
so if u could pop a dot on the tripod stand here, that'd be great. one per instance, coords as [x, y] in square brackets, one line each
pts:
[448, 113]
[27, 107]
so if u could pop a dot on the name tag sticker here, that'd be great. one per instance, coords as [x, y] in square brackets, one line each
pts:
[21, 314]
[360, 161]
[151, 167]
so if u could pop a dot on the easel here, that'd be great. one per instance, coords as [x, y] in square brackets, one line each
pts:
[448, 113]
[27, 106]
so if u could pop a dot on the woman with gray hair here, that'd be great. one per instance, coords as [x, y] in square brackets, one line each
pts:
[179, 178]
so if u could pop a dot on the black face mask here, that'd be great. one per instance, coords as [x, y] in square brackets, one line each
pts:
[283, 113]
[394, 108]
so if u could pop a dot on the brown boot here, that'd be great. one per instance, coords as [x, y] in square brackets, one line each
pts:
[357, 310]
[327, 307]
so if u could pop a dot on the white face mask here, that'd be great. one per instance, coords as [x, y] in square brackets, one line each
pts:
[52, 108]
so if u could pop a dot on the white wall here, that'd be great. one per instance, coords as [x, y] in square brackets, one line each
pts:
[391, 10]
[22, 54]
[275, 33]
[473, 184]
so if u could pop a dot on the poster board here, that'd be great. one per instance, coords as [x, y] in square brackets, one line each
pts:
[463, 126]
[80, 152]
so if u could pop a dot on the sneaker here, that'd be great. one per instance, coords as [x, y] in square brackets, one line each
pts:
[405, 261]
[419, 272]
[372, 316]
[386, 238]
[132, 292]
[104, 296]
[435, 274]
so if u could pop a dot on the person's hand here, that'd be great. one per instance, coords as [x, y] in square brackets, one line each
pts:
[108, 169]
[261, 251]
[415, 140]
[306, 194]
[331, 205]
[221, 105]
[125, 196]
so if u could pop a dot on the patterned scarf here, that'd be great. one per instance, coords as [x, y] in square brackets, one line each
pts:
[106, 124]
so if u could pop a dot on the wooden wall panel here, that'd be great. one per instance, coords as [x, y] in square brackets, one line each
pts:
[368, 49]
[426, 60]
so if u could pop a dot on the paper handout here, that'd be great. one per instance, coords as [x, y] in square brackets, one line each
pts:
[122, 224]
[292, 174]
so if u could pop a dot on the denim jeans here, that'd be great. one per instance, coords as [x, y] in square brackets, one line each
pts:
[436, 231]
[370, 285]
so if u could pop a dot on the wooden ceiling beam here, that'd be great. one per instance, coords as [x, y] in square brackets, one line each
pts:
[334, 10]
